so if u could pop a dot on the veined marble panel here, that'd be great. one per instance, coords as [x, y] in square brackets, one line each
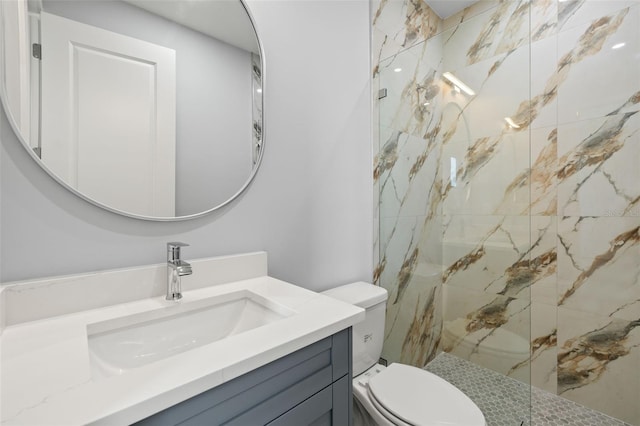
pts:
[406, 189]
[410, 272]
[488, 253]
[589, 42]
[542, 365]
[414, 324]
[497, 30]
[375, 118]
[383, 47]
[422, 339]
[468, 13]
[544, 19]
[412, 82]
[494, 32]
[578, 12]
[431, 241]
[488, 329]
[405, 173]
[534, 190]
[544, 350]
[489, 155]
[542, 77]
[461, 39]
[483, 174]
[598, 266]
[401, 24]
[376, 237]
[501, 85]
[598, 170]
[387, 155]
[598, 78]
[543, 259]
[598, 360]
[375, 275]
[408, 244]
[544, 164]
[399, 253]
[375, 151]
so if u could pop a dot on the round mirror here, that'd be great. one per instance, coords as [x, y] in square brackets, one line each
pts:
[148, 108]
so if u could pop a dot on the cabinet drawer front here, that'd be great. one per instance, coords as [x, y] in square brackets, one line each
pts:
[309, 412]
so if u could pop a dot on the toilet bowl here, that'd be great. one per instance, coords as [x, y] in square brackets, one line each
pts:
[403, 395]
[397, 395]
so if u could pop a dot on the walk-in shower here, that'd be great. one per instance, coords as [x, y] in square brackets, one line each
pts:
[507, 154]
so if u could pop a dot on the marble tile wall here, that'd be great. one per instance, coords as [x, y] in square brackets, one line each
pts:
[514, 246]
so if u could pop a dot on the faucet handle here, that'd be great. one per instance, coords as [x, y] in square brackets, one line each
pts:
[173, 250]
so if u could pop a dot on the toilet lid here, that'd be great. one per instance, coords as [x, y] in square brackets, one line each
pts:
[422, 398]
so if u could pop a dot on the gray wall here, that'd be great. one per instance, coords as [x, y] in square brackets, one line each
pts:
[213, 99]
[310, 206]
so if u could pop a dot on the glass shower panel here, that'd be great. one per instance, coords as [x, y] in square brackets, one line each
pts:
[454, 179]
[409, 179]
[486, 218]
[453, 175]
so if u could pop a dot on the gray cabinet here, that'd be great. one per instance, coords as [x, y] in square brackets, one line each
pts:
[311, 386]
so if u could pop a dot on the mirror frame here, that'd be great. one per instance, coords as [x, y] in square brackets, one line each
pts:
[243, 188]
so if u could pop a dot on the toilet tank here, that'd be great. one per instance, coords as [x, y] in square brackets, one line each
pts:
[368, 335]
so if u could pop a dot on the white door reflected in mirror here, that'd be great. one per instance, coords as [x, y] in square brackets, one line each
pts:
[109, 120]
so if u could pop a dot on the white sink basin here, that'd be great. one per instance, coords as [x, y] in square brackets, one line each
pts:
[132, 341]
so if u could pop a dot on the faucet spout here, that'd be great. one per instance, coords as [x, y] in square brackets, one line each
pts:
[176, 268]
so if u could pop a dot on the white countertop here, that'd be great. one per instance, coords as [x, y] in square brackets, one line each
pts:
[46, 377]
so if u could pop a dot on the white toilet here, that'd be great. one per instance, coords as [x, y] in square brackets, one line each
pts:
[397, 395]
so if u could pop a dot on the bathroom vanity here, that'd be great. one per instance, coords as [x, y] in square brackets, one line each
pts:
[309, 386]
[240, 347]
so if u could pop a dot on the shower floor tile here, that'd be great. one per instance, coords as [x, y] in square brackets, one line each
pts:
[506, 401]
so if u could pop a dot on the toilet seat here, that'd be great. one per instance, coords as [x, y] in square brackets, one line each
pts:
[385, 413]
[409, 396]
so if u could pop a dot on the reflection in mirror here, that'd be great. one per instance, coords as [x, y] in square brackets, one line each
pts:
[151, 108]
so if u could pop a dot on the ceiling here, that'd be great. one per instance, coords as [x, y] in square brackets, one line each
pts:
[225, 20]
[446, 8]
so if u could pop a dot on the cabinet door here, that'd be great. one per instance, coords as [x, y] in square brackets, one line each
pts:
[329, 407]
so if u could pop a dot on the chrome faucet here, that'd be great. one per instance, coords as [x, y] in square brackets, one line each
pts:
[176, 268]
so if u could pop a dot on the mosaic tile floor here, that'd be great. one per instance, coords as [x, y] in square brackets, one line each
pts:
[505, 401]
